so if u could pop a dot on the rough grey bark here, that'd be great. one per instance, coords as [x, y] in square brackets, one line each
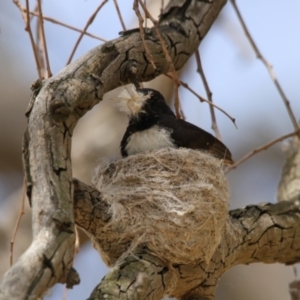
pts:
[267, 233]
[289, 189]
[56, 105]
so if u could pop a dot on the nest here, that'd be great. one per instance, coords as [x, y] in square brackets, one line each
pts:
[172, 200]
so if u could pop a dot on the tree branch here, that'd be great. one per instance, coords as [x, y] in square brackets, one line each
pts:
[56, 105]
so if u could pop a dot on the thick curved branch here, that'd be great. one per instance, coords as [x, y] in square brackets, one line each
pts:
[137, 276]
[57, 104]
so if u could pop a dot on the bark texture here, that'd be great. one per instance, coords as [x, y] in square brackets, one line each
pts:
[289, 188]
[267, 233]
[55, 107]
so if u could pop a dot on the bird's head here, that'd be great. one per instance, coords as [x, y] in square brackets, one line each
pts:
[134, 101]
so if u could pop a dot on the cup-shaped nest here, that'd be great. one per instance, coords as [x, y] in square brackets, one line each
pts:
[172, 200]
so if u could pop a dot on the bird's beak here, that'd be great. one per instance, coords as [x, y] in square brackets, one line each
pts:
[131, 101]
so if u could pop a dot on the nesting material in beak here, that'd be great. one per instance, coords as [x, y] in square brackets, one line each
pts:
[131, 101]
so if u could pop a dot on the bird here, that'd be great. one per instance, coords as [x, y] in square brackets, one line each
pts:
[153, 125]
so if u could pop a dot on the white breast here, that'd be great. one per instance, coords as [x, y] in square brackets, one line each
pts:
[149, 139]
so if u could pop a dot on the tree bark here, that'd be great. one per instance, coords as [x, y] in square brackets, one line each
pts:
[56, 106]
[259, 233]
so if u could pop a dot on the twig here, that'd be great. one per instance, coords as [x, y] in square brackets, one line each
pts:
[162, 6]
[164, 48]
[141, 21]
[28, 29]
[45, 49]
[261, 148]
[40, 49]
[185, 85]
[180, 109]
[209, 95]
[120, 15]
[168, 59]
[77, 241]
[65, 294]
[145, 3]
[76, 250]
[22, 10]
[22, 212]
[177, 104]
[89, 22]
[66, 25]
[268, 66]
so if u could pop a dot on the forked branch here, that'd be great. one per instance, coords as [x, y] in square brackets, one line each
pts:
[57, 104]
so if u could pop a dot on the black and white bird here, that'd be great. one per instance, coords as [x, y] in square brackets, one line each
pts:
[153, 125]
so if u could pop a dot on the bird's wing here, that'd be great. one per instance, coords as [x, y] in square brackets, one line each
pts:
[190, 136]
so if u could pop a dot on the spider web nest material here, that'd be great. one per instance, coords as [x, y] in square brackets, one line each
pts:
[172, 200]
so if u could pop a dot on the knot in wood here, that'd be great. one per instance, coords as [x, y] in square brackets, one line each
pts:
[131, 69]
[72, 278]
[59, 110]
[109, 46]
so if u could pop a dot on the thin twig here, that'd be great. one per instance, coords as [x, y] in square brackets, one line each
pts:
[22, 212]
[28, 29]
[145, 3]
[268, 66]
[77, 241]
[177, 104]
[168, 59]
[76, 250]
[22, 10]
[67, 26]
[141, 21]
[65, 294]
[185, 85]
[45, 49]
[89, 22]
[261, 148]
[162, 42]
[214, 124]
[162, 6]
[40, 49]
[180, 109]
[120, 15]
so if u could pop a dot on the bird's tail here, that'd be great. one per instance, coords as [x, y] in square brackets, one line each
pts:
[222, 151]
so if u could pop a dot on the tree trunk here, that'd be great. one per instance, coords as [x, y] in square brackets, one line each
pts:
[267, 233]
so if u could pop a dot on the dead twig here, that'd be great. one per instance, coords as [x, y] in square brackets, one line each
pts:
[43, 39]
[120, 15]
[214, 124]
[185, 85]
[261, 148]
[141, 21]
[67, 26]
[162, 6]
[89, 22]
[22, 212]
[145, 4]
[28, 29]
[168, 59]
[40, 49]
[22, 10]
[268, 66]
